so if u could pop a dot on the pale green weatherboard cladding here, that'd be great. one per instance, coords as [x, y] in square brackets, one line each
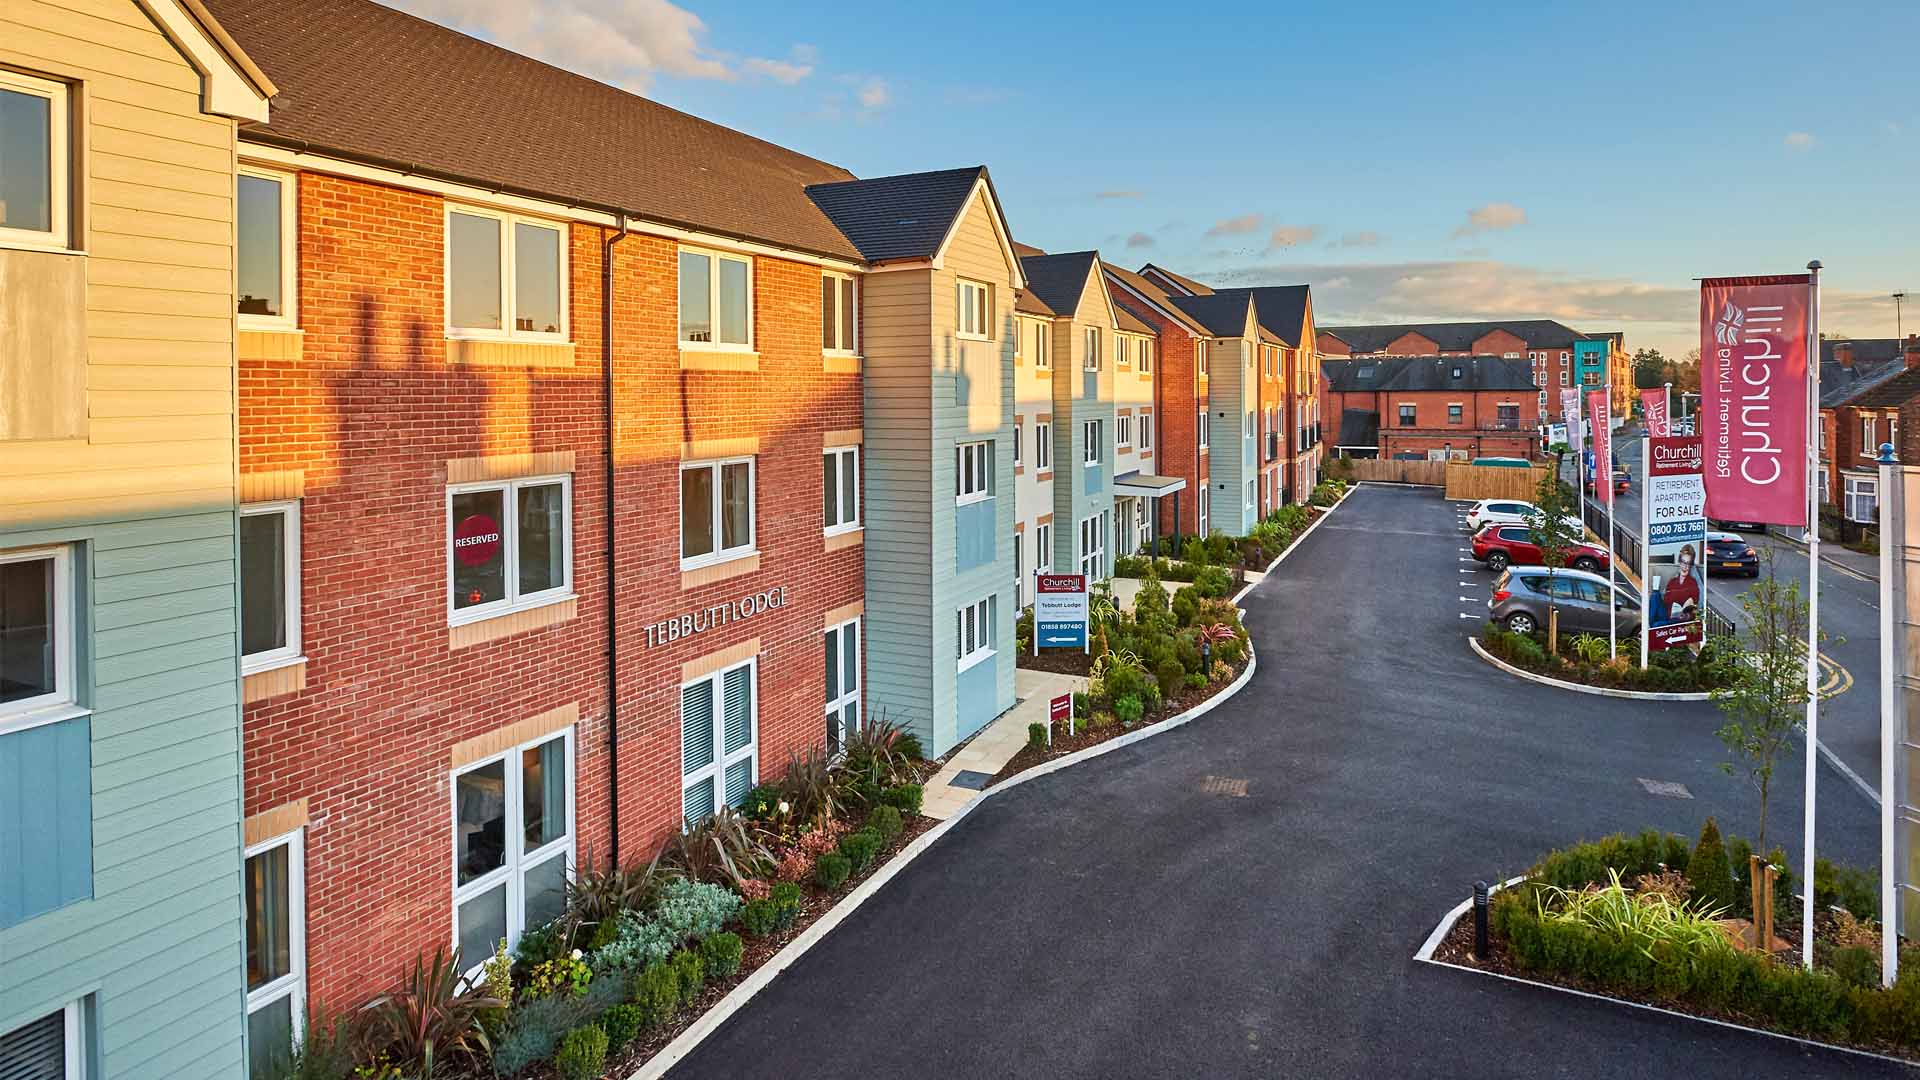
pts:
[156, 939]
[975, 532]
[46, 820]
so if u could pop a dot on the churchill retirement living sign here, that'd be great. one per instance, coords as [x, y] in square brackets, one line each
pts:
[1753, 391]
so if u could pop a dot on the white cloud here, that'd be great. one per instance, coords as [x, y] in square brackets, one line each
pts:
[1236, 226]
[781, 71]
[1799, 140]
[874, 94]
[1118, 193]
[1139, 240]
[1286, 236]
[1493, 217]
[623, 42]
[1360, 239]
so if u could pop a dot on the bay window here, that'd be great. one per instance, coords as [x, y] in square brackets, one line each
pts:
[843, 683]
[275, 883]
[1863, 499]
[509, 545]
[506, 276]
[512, 844]
[719, 721]
[974, 633]
[269, 585]
[973, 315]
[33, 167]
[840, 485]
[716, 511]
[839, 314]
[716, 300]
[972, 472]
[264, 251]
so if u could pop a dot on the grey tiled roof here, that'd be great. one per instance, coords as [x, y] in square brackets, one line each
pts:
[1222, 316]
[1457, 336]
[1153, 293]
[1281, 309]
[1058, 280]
[1416, 373]
[898, 217]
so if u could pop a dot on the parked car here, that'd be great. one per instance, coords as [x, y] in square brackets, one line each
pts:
[1729, 553]
[1501, 546]
[1508, 512]
[1743, 526]
[1622, 480]
[1523, 595]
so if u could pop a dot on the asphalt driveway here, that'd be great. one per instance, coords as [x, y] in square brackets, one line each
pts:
[1114, 919]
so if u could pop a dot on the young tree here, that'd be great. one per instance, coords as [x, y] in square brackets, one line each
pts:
[1555, 510]
[1768, 696]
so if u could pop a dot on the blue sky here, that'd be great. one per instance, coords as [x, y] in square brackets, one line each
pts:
[1408, 162]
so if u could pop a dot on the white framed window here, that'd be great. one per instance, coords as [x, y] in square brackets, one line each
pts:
[839, 314]
[1247, 432]
[276, 930]
[1456, 412]
[1042, 346]
[840, 488]
[1200, 358]
[33, 172]
[506, 276]
[1043, 547]
[1123, 431]
[1090, 349]
[1093, 548]
[1510, 356]
[1019, 566]
[1122, 351]
[843, 683]
[1145, 363]
[1091, 452]
[1253, 492]
[1564, 356]
[1823, 436]
[1565, 377]
[974, 632]
[1203, 425]
[716, 511]
[36, 637]
[47, 1048]
[973, 472]
[973, 317]
[1826, 493]
[512, 844]
[266, 243]
[716, 300]
[1869, 445]
[719, 730]
[1019, 440]
[269, 585]
[1863, 499]
[509, 545]
[1205, 498]
[1408, 415]
[1042, 446]
[1146, 431]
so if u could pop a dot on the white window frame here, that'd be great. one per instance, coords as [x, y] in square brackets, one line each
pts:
[1200, 358]
[845, 457]
[294, 983]
[720, 553]
[1253, 493]
[510, 542]
[1093, 448]
[1400, 417]
[1857, 488]
[966, 311]
[1869, 431]
[1825, 486]
[722, 760]
[508, 301]
[1146, 431]
[1205, 497]
[62, 703]
[1122, 352]
[1043, 548]
[1564, 356]
[1042, 346]
[979, 453]
[714, 257]
[1123, 431]
[290, 653]
[1565, 377]
[1019, 437]
[58, 234]
[850, 334]
[1144, 365]
[1204, 428]
[983, 644]
[1456, 412]
[1042, 446]
[514, 867]
[1090, 349]
[834, 708]
[73, 1044]
[288, 318]
[1093, 548]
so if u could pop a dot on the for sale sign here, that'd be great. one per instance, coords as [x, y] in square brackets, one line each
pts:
[1674, 561]
[1060, 611]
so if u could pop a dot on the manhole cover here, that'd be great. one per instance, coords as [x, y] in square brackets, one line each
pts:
[1665, 788]
[1224, 785]
[968, 778]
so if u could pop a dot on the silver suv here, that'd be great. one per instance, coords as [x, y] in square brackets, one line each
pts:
[1523, 594]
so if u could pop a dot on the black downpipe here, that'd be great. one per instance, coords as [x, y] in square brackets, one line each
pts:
[613, 578]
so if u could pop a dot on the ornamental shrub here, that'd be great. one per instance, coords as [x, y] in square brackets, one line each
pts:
[1127, 710]
[1132, 566]
[690, 971]
[760, 918]
[1855, 965]
[1186, 601]
[721, 953]
[1845, 887]
[1708, 878]
[860, 847]
[583, 1053]
[1214, 582]
[1525, 651]
[694, 908]
[655, 991]
[1152, 608]
[886, 821]
[786, 903]
[904, 798]
[762, 802]
[621, 1023]
[1037, 735]
[637, 942]
[537, 1027]
[567, 974]
[832, 870]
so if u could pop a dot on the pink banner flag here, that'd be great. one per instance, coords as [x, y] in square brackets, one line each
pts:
[1753, 397]
[1654, 404]
[1600, 412]
[1570, 414]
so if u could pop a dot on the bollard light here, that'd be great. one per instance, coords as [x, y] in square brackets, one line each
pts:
[1479, 920]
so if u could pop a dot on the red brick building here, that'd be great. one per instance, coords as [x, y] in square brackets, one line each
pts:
[1869, 391]
[1546, 345]
[1432, 407]
[1181, 387]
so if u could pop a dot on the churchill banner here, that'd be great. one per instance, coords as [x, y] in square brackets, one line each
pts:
[1599, 411]
[1570, 414]
[1654, 404]
[1753, 397]
[1674, 559]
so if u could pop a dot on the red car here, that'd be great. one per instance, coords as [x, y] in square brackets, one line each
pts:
[1501, 546]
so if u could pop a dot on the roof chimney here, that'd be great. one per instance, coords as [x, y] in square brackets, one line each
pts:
[1913, 351]
[1843, 354]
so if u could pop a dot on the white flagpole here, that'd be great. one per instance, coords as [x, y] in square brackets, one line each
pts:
[1613, 609]
[1813, 608]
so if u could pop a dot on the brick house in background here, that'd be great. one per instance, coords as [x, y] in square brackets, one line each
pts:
[1546, 345]
[1432, 407]
[1866, 385]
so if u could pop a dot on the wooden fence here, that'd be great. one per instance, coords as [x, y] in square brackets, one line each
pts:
[1475, 482]
[1433, 473]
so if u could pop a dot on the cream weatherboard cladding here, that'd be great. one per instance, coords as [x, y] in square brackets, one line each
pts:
[139, 485]
[1232, 457]
[1082, 491]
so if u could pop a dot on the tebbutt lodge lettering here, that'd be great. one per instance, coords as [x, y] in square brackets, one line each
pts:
[707, 618]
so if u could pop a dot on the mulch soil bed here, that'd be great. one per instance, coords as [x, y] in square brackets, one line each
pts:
[1058, 661]
[1457, 948]
[1084, 736]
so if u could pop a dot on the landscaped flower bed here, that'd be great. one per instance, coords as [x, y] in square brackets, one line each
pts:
[642, 951]
[1583, 659]
[1646, 919]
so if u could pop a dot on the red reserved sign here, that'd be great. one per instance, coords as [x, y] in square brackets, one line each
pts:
[1060, 708]
[476, 540]
[1062, 583]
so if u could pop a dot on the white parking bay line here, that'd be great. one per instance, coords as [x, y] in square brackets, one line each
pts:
[1464, 615]
[1471, 599]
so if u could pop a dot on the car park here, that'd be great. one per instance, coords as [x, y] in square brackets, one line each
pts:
[1730, 554]
[1523, 596]
[1508, 512]
[1501, 546]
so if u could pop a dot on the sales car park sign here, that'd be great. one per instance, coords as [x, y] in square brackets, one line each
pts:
[1060, 611]
[1673, 563]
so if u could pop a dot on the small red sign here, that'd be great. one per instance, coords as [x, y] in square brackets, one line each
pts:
[476, 540]
[1060, 708]
[1062, 583]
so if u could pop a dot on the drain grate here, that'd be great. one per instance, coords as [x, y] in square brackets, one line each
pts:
[1666, 789]
[1224, 785]
[969, 778]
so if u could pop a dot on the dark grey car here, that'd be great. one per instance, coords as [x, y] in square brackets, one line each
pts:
[1523, 594]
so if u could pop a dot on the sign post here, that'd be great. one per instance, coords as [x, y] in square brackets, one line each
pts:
[1899, 706]
[1673, 518]
[1600, 409]
[1058, 709]
[1059, 611]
